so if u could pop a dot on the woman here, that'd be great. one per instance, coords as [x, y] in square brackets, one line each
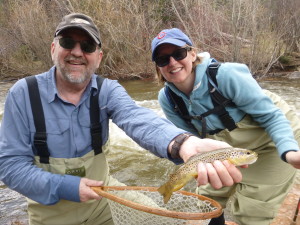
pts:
[238, 112]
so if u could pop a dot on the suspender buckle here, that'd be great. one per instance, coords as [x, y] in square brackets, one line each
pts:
[214, 65]
[40, 140]
[40, 143]
[197, 117]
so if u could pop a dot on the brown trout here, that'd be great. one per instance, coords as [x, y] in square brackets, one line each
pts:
[188, 170]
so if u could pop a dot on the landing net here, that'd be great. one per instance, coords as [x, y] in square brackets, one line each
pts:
[145, 206]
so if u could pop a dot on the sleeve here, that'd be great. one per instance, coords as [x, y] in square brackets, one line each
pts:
[236, 82]
[17, 170]
[143, 125]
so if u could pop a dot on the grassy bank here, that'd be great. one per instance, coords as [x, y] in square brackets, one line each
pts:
[261, 34]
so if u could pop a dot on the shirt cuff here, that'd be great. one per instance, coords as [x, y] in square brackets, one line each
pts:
[69, 188]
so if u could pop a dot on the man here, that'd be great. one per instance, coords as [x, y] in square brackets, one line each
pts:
[52, 138]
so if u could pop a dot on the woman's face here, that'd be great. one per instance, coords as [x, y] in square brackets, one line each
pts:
[177, 71]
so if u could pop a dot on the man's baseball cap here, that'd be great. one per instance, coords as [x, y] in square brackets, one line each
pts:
[172, 36]
[79, 21]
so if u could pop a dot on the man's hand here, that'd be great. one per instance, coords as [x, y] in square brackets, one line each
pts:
[293, 158]
[85, 192]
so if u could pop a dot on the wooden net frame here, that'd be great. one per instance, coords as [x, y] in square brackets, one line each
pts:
[215, 207]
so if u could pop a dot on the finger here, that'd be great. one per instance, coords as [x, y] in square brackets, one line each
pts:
[202, 178]
[223, 173]
[213, 177]
[90, 192]
[94, 195]
[85, 192]
[234, 172]
[89, 182]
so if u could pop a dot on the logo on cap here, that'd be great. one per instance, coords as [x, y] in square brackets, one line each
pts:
[161, 35]
[78, 20]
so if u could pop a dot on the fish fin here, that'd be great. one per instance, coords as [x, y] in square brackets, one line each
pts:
[166, 191]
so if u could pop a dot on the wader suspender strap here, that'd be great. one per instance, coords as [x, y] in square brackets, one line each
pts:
[218, 99]
[219, 102]
[40, 137]
[179, 106]
[95, 119]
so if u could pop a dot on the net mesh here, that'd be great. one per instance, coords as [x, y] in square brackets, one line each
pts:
[144, 205]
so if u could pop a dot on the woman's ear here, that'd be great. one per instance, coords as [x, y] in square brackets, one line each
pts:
[194, 54]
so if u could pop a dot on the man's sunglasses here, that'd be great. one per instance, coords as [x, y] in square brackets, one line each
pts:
[87, 46]
[178, 54]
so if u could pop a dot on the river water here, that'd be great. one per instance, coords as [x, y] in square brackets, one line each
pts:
[130, 163]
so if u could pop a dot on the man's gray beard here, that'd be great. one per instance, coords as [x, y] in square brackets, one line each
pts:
[75, 80]
[68, 76]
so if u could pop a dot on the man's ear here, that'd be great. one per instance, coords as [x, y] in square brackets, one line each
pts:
[52, 49]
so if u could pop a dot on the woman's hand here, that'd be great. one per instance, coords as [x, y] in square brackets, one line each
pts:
[293, 158]
[218, 174]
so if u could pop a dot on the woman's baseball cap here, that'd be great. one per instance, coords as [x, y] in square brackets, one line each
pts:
[172, 36]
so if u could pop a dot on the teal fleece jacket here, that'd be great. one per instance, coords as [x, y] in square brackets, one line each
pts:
[235, 82]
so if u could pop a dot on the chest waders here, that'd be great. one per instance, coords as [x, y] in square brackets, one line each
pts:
[93, 165]
[265, 184]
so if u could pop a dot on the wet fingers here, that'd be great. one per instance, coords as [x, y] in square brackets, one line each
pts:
[224, 174]
[234, 172]
[214, 177]
[218, 174]
[202, 174]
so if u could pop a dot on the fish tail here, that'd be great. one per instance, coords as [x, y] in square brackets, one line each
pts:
[166, 191]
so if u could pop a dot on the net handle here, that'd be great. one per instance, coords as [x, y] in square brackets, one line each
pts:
[161, 212]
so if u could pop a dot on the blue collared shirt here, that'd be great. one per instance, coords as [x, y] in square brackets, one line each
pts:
[68, 134]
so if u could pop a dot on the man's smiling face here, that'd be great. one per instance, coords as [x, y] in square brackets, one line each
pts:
[74, 65]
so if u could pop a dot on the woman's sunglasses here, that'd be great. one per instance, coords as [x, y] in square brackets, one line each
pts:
[178, 54]
[87, 46]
